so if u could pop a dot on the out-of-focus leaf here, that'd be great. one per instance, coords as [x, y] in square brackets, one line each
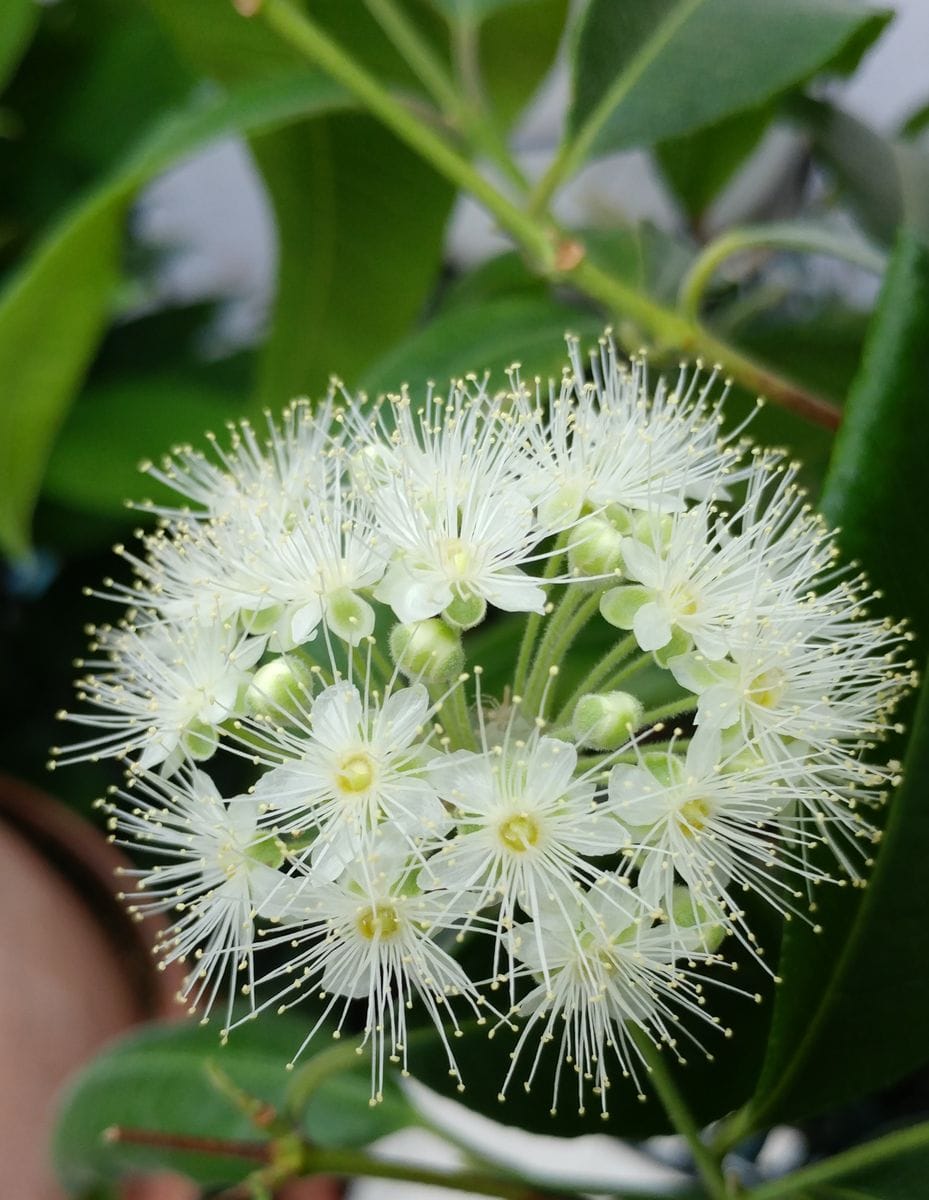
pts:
[916, 123]
[472, 12]
[504, 275]
[490, 337]
[157, 1079]
[18, 19]
[885, 182]
[360, 221]
[698, 165]
[865, 981]
[52, 313]
[121, 423]
[647, 70]
[517, 47]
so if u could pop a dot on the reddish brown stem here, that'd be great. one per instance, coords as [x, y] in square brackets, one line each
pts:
[259, 1152]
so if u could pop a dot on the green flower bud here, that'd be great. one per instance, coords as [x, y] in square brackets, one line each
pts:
[603, 721]
[428, 650]
[280, 690]
[687, 913]
[466, 611]
[653, 529]
[596, 548]
[619, 605]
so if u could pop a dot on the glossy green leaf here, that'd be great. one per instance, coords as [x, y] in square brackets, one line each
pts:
[347, 291]
[54, 310]
[697, 166]
[490, 337]
[158, 1079]
[18, 19]
[864, 982]
[647, 70]
[885, 182]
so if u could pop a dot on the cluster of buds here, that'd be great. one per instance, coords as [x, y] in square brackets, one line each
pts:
[325, 604]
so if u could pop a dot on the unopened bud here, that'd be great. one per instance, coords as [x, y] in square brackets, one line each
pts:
[427, 650]
[465, 611]
[604, 721]
[280, 690]
[596, 548]
[687, 913]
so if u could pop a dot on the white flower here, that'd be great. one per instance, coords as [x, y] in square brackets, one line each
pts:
[164, 691]
[216, 867]
[608, 973]
[612, 441]
[371, 935]
[358, 760]
[526, 828]
[271, 475]
[723, 822]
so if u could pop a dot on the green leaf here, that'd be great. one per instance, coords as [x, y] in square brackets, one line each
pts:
[157, 1079]
[885, 182]
[517, 47]
[864, 982]
[360, 221]
[489, 337]
[697, 166]
[121, 423]
[18, 19]
[54, 310]
[647, 70]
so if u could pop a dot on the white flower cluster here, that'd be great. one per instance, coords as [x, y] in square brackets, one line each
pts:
[327, 606]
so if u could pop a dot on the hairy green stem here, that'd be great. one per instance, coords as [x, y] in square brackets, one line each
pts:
[707, 1165]
[553, 565]
[455, 720]
[674, 709]
[600, 675]
[573, 611]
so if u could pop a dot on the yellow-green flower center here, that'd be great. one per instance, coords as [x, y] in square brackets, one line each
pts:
[767, 688]
[378, 921]
[519, 832]
[692, 816]
[356, 774]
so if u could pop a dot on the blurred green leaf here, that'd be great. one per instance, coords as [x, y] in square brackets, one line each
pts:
[473, 12]
[517, 46]
[18, 19]
[347, 290]
[54, 310]
[885, 182]
[647, 70]
[865, 981]
[489, 337]
[121, 423]
[157, 1079]
[697, 166]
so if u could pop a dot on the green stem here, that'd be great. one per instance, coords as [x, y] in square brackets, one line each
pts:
[599, 675]
[554, 254]
[455, 720]
[673, 709]
[307, 37]
[417, 53]
[673, 330]
[904, 1141]
[553, 565]
[573, 611]
[707, 1165]
[575, 148]
[307, 1079]
[783, 235]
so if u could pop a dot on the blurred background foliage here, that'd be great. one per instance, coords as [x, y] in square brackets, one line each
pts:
[197, 223]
